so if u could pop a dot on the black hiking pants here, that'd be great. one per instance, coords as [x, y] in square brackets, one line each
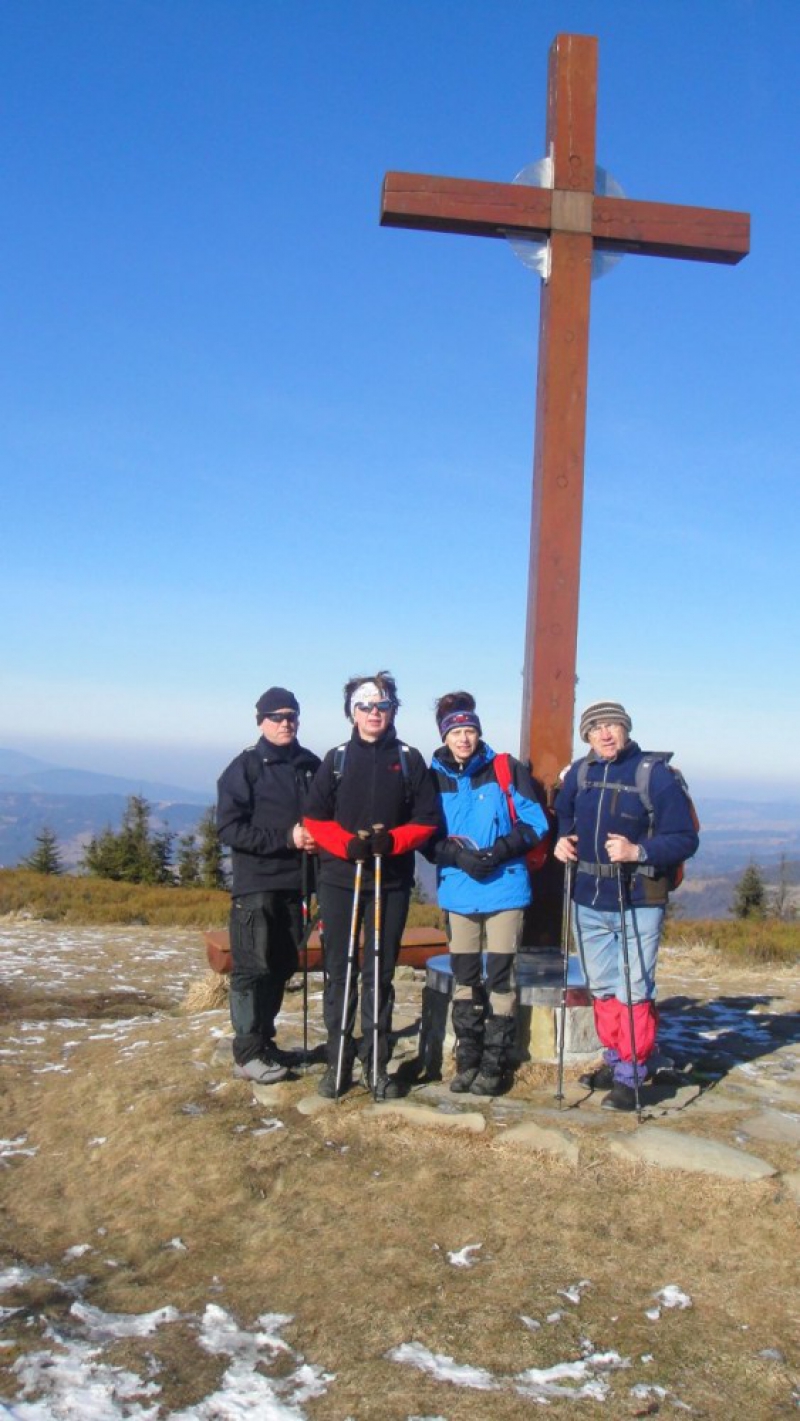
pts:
[337, 906]
[265, 929]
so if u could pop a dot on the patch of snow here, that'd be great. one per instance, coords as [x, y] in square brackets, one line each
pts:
[443, 1368]
[672, 1297]
[463, 1258]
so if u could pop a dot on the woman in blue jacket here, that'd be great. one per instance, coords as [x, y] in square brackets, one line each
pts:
[483, 886]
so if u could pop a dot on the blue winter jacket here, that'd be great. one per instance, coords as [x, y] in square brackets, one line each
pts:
[475, 808]
[609, 803]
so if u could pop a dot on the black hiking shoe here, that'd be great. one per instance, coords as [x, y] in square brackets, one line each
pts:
[462, 1080]
[386, 1087]
[600, 1079]
[486, 1083]
[327, 1083]
[622, 1097]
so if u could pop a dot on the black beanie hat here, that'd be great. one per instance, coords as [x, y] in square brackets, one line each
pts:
[275, 699]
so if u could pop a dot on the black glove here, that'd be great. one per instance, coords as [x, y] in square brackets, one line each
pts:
[502, 850]
[358, 850]
[476, 862]
[445, 853]
[381, 842]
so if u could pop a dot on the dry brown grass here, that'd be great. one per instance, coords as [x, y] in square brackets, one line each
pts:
[67, 898]
[344, 1221]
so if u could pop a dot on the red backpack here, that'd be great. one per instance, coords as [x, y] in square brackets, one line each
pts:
[536, 857]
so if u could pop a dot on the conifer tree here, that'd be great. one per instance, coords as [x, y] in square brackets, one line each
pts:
[212, 868]
[751, 895]
[188, 861]
[46, 857]
[135, 854]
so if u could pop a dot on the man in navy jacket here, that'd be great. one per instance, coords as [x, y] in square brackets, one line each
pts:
[621, 810]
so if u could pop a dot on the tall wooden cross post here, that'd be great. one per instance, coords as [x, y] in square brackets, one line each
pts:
[575, 221]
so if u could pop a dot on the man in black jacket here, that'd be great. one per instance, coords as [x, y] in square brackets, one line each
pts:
[372, 797]
[260, 799]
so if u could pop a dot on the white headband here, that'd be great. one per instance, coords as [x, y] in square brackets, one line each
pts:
[367, 691]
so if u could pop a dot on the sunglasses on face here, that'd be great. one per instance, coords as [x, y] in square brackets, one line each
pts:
[383, 706]
[278, 717]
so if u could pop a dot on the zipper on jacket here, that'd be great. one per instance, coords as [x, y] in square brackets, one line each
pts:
[598, 880]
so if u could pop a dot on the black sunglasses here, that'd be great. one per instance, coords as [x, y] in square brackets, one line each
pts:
[278, 717]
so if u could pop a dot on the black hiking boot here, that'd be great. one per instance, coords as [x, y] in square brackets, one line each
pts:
[385, 1088]
[327, 1084]
[487, 1083]
[621, 1097]
[462, 1080]
[600, 1079]
[498, 1041]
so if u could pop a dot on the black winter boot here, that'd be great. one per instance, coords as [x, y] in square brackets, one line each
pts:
[468, 1024]
[499, 1035]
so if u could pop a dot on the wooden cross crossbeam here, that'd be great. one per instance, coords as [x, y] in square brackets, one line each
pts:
[576, 221]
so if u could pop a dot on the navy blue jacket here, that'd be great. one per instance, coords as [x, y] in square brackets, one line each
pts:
[475, 809]
[260, 798]
[609, 803]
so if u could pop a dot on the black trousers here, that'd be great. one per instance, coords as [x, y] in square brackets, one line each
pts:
[337, 907]
[265, 929]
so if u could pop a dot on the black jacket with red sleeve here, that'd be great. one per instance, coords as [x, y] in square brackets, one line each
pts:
[373, 788]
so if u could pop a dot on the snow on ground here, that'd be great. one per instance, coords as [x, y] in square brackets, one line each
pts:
[67, 1378]
[463, 1258]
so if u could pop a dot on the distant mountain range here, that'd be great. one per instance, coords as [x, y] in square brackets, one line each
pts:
[77, 804]
[22, 774]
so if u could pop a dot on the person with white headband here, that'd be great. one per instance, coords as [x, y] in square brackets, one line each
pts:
[371, 798]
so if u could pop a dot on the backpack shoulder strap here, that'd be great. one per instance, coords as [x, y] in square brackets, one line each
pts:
[501, 765]
[583, 771]
[339, 758]
[644, 771]
[252, 764]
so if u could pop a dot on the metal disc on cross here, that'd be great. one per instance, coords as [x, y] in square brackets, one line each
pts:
[535, 255]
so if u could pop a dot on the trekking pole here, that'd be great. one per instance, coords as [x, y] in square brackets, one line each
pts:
[376, 958]
[627, 966]
[351, 952]
[304, 906]
[565, 934]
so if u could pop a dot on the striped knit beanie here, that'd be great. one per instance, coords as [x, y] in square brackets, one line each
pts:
[604, 713]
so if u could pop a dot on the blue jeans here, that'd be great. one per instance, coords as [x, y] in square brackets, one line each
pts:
[599, 940]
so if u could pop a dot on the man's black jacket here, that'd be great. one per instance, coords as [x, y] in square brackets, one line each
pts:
[260, 798]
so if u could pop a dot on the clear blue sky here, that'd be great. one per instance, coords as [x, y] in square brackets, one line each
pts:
[248, 436]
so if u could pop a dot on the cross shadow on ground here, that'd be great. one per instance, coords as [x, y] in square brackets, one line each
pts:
[708, 1039]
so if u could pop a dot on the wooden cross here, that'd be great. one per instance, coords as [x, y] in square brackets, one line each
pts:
[576, 222]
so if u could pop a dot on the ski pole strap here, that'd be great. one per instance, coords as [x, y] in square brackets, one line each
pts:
[608, 870]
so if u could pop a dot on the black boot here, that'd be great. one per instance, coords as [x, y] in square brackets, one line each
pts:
[601, 1078]
[498, 1041]
[468, 1020]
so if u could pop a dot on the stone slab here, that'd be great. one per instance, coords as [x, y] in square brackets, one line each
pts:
[313, 1104]
[423, 1115]
[774, 1126]
[530, 1136]
[671, 1149]
[716, 1102]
